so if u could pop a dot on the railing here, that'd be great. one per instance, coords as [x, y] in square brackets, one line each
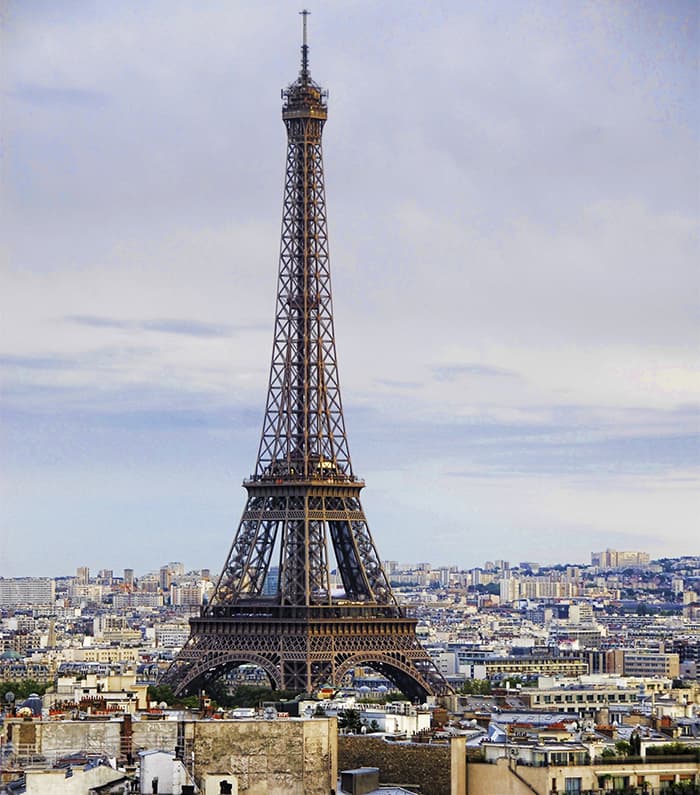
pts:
[319, 478]
[630, 761]
[649, 759]
[292, 612]
[674, 789]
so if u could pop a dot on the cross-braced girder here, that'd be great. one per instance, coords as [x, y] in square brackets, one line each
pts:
[304, 430]
[304, 516]
[330, 606]
[303, 651]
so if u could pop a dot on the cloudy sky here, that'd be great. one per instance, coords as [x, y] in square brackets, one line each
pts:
[513, 213]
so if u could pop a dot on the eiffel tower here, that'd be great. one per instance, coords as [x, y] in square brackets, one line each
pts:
[303, 508]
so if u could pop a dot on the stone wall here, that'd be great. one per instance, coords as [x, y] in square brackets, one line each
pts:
[53, 739]
[56, 738]
[429, 766]
[152, 735]
[280, 757]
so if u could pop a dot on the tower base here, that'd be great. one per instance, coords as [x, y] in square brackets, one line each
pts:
[304, 648]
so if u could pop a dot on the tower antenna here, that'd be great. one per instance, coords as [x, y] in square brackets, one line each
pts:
[304, 46]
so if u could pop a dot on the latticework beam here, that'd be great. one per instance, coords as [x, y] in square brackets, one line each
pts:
[303, 499]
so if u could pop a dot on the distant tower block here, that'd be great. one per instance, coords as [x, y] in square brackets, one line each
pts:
[274, 604]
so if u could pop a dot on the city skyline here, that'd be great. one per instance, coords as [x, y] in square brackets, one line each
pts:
[609, 562]
[512, 201]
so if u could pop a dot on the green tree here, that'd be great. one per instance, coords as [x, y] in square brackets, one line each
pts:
[623, 748]
[349, 719]
[672, 749]
[513, 681]
[22, 689]
[476, 687]
[251, 696]
[158, 694]
[635, 744]
[218, 693]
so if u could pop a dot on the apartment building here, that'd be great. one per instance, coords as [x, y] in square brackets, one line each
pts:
[15, 592]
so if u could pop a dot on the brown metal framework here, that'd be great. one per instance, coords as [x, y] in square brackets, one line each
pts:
[303, 498]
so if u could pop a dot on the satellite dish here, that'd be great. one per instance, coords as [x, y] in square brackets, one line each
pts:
[9, 696]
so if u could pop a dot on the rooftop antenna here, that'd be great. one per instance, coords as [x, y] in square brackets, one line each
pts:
[304, 47]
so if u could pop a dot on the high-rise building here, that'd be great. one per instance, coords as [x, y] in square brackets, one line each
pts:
[82, 575]
[614, 559]
[105, 576]
[165, 578]
[27, 591]
[176, 569]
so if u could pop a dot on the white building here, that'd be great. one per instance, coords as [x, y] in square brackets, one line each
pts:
[161, 772]
[27, 591]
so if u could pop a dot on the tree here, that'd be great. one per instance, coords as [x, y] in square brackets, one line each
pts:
[673, 749]
[623, 748]
[476, 687]
[635, 744]
[158, 694]
[513, 681]
[250, 696]
[22, 689]
[218, 693]
[349, 719]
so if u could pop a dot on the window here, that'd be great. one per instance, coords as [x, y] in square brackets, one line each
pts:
[572, 785]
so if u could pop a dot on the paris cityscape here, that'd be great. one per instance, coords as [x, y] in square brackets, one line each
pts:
[500, 595]
[524, 647]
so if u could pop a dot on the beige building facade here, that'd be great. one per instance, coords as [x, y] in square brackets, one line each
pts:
[262, 757]
[510, 776]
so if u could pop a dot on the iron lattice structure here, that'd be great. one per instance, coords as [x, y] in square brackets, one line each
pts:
[304, 499]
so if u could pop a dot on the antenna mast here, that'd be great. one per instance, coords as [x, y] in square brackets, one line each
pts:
[304, 47]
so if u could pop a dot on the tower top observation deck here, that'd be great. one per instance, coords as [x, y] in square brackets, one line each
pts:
[304, 98]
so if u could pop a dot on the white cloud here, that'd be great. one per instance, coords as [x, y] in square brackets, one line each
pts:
[512, 200]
